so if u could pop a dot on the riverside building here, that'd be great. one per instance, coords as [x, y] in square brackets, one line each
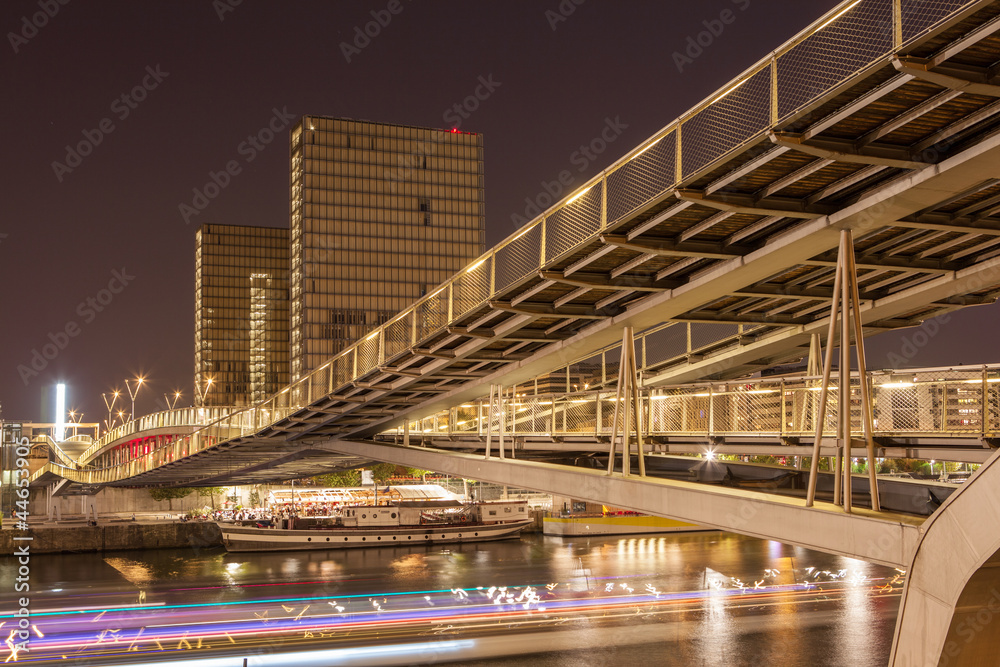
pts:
[380, 215]
[241, 314]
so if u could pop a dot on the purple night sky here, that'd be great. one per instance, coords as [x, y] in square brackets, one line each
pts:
[212, 75]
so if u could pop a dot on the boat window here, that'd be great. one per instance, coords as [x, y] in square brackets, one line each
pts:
[392, 516]
[364, 516]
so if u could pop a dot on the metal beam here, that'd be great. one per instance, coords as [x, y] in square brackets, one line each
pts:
[824, 527]
[966, 80]
[739, 203]
[602, 281]
[845, 151]
[699, 249]
[545, 310]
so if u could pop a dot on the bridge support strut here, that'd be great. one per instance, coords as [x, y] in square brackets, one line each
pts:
[847, 305]
[628, 410]
[498, 411]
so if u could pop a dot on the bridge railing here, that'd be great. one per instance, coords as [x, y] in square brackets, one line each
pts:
[946, 402]
[848, 40]
[962, 402]
[156, 420]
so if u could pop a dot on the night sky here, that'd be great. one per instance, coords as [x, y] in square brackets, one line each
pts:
[95, 254]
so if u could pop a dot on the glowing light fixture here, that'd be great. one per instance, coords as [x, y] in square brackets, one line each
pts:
[60, 429]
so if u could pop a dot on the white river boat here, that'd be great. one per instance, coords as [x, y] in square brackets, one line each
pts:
[405, 522]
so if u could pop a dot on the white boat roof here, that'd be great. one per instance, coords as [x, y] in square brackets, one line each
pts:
[400, 492]
[423, 492]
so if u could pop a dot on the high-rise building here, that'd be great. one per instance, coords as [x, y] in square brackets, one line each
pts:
[380, 214]
[241, 314]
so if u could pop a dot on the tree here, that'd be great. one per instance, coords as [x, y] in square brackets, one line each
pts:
[418, 472]
[211, 492]
[169, 494]
[340, 479]
[381, 472]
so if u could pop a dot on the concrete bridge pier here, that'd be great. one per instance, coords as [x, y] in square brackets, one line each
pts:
[950, 611]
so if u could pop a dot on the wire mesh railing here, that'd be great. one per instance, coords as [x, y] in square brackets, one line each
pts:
[928, 402]
[956, 403]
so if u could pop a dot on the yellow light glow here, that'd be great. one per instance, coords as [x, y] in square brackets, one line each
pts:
[646, 148]
[578, 195]
[838, 15]
[731, 89]
[475, 266]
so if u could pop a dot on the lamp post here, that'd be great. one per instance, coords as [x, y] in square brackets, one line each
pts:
[110, 405]
[170, 405]
[133, 392]
[121, 415]
[75, 418]
[203, 395]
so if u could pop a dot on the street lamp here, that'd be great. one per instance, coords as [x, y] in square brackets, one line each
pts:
[203, 395]
[170, 405]
[133, 392]
[121, 415]
[110, 405]
[75, 418]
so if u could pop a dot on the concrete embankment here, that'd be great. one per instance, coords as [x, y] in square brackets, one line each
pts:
[114, 536]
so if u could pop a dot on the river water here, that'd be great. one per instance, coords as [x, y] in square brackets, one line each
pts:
[706, 598]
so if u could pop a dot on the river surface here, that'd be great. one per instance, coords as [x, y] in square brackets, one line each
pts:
[707, 598]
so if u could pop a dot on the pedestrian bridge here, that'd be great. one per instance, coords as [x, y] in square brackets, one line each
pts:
[946, 414]
[717, 240]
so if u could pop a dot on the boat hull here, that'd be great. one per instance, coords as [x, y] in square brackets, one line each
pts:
[246, 538]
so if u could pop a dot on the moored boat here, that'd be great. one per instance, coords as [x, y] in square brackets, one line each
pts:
[403, 522]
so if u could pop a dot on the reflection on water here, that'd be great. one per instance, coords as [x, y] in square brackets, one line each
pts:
[745, 600]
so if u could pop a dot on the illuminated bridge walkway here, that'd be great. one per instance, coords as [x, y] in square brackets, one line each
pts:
[721, 232]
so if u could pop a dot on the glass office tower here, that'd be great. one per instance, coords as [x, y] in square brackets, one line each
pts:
[241, 314]
[380, 214]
